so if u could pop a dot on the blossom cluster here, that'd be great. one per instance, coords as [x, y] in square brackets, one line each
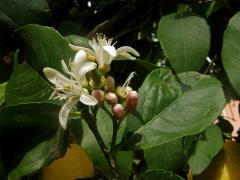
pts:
[85, 79]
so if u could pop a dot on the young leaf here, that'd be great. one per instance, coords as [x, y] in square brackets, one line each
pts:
[186, 41]
[230, 51]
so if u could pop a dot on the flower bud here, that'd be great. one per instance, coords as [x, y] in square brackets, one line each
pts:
[118, 112]
[131, 101]
[99, 95]
[109, 84]
[122, 92]
[111, 98]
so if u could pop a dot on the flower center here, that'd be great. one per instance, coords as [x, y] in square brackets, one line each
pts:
[67, 87]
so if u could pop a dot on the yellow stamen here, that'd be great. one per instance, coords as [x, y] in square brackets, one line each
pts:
[67, 87]
[91, 57]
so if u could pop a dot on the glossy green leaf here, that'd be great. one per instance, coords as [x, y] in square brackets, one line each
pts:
[25, 85]
[230, 51]
[2, 92]
[160, 86]
[32, 114]
[169, 156]
[207, 145]
[25, 12]
[159, 174]
[44, 46]
[48, 149]
[190, 113]
[186, 41]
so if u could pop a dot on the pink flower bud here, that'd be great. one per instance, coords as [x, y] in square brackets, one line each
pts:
[118, 112]
[131, 101]
[99, 95]
[111, 98]
[109, 84]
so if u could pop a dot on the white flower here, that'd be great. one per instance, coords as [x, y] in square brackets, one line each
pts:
[70, 89]
[104, 51]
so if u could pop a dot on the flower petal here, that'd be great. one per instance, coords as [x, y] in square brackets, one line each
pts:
[55, 76]
[127, 56]
[78, 48]
[65, 110]
[110, 50]
[66, 70]
[80, 57]
[88, 99]
[86, 67]
[127, 49]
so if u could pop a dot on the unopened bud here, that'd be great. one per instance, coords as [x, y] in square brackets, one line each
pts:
[99, 95]
[118, 112]
[109, 84]
[132, 100]
[111, 98]
[122, 92]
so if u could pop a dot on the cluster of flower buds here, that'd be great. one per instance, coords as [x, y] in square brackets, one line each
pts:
[122, 99]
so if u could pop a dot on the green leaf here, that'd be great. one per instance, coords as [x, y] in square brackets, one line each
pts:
[190, 113]
[169, 156]
[25, 12]
[230, 51]
[4, 19]
[78, 40]
[160, 86]
[186, 41]
[208, 144]
[2, 92]
[146, 64]
[207, 8]
[44, 46]
[25, 85]
[159, 174]
[124, 160]
[25, 115]
[41, 154]
[104, 125]
[91, 147]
